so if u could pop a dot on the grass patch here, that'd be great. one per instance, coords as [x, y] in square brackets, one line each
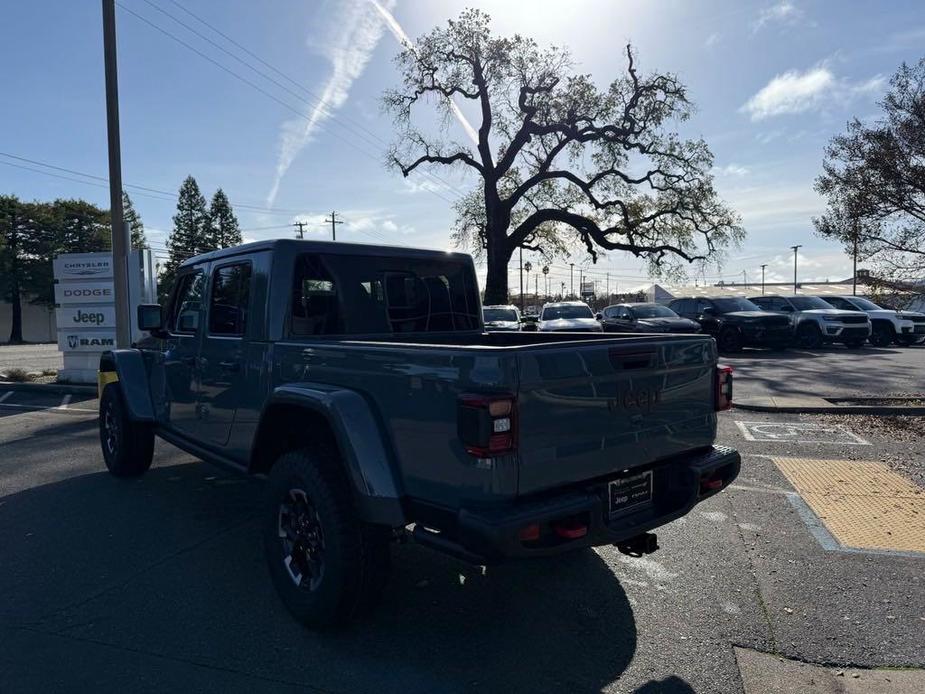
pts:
[17, 376]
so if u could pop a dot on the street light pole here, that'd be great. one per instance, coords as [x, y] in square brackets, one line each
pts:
[121, 240]
[854, 255]
[762, 278]
[571, 280]
[521, 279]
[795, 249]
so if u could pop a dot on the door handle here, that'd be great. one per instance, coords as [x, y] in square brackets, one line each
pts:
[230, 365]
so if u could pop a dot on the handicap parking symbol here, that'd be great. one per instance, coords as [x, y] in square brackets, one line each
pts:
[799, 432]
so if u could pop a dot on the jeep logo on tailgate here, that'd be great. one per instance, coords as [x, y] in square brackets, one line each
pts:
[643, 399]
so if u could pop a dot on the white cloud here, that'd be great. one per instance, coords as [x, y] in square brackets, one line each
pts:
[712, 40]
[736, 170]
[349, 42]
[414, 186]
[784, 12]
[797, 92]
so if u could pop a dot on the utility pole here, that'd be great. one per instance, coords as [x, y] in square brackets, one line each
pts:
[608, 287]
[762, 278]
[334, 221]
[546, 280]
[581, 282]
[121, 240]
[854, 255]
[571, 280]
[745, 279]
[301, 226]
[536, 291]
[795, 249]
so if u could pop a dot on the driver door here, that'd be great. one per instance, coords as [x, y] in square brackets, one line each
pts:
[181, 371]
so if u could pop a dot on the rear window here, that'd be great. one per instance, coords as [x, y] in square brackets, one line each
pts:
[374, 295]
[499, 314]
[566, 312]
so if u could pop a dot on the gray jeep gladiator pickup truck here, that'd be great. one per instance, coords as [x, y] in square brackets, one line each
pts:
[361, 382]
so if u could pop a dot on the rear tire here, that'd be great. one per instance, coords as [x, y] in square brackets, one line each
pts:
[729, 340]
[128, 446]
[882, 335]
[327, 566]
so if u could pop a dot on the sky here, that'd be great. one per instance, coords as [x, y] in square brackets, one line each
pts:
[278, 103]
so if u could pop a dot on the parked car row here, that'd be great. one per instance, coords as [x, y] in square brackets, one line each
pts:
[772, 321]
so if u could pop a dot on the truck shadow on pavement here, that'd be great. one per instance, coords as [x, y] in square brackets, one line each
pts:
[171, 566]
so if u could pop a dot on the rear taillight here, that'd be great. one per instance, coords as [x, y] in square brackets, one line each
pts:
[487, 424]
[723, 398]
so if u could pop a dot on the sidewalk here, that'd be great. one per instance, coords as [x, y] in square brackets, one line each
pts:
[33, 357]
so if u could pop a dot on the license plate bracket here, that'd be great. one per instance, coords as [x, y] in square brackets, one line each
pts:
[629, 492]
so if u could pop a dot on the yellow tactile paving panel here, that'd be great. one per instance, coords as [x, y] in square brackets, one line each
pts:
[863, 504]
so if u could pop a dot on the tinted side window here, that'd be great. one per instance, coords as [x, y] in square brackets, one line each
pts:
[679, 306]
[838, 302]
[315, 308]
[229, 301]
[187, 302]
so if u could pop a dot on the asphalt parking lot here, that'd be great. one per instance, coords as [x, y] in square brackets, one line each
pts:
[159, 583]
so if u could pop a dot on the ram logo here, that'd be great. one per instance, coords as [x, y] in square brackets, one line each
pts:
[73, 341]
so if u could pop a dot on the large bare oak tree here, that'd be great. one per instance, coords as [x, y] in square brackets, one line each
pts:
[559, 159]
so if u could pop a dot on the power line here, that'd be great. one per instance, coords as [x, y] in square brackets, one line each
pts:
[319, 101]
[255, 86]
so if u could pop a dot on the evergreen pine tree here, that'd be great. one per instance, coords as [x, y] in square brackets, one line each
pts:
[190, 235]
[133, 220]
[224, 230]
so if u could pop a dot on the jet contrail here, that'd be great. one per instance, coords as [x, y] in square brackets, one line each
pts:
[404, 40]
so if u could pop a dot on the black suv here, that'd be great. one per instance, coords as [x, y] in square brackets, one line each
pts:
[736, 322]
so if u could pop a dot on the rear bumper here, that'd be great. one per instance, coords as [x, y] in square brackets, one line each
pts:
[489, 536]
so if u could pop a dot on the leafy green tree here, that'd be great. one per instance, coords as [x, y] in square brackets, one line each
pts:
[133, 220]
[224, 230]
[601, 167]
[12, 231]
[874, 181]
[190, 235]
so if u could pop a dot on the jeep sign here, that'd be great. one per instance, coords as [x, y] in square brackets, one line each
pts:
[84, 293]
[77, 317]
[86, 342]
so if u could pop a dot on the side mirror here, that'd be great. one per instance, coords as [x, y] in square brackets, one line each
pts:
[149, 317]
[708, 311]
[599, 315]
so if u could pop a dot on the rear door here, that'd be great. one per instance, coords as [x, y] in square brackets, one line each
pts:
[589, 409]
[221, 362]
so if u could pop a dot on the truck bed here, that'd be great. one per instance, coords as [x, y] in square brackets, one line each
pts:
[588, 405]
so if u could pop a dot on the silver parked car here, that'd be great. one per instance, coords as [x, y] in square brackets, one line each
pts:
[569, 316]
[501, 318]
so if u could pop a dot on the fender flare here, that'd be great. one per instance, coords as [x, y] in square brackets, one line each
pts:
[360, 440]
[127, 368]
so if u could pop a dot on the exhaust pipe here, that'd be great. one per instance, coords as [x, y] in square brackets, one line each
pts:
[639, 545]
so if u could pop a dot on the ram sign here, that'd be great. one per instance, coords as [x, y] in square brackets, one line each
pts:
[86, 342]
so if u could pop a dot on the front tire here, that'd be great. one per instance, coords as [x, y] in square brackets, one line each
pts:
[730, 340]
[326, 564]
[128, 446]
[809, 337]
[882, 335]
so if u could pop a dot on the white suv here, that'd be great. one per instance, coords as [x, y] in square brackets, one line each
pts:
[817, 322]
[902, 327]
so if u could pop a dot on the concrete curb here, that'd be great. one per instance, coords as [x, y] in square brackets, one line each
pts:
[812, 405]
[56, 388]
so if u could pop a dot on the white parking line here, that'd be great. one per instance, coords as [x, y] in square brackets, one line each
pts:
[45, 408]
[65, 401]
[6, 395]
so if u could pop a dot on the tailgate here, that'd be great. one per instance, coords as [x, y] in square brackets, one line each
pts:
[591, 408]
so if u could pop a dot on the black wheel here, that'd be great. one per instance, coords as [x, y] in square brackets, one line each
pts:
[128, 446]
[854, 344]
[809, 336]
[730, 340]
[327, 565]
[882, 335]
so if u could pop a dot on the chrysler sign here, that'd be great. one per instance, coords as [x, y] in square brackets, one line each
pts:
[83, 266]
